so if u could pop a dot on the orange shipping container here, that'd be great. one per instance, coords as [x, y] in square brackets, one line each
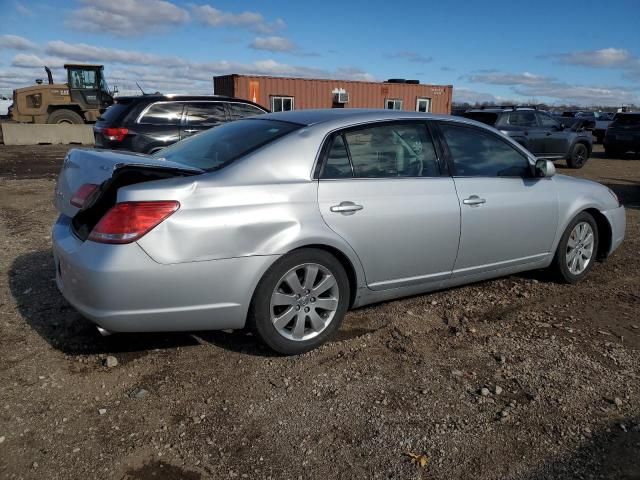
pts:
[280, 93]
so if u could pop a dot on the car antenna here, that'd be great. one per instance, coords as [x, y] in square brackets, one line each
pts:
[140, 88]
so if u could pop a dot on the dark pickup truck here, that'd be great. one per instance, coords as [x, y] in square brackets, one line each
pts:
[539, 132]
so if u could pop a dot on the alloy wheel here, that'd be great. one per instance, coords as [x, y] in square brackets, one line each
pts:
[304, 302]
[580, 248]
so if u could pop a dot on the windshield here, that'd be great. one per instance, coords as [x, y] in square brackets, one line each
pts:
[219, 146]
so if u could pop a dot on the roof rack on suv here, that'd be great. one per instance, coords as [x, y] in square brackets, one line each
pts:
[508, 107]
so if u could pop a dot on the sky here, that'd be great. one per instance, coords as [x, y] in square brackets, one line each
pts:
[557, 52]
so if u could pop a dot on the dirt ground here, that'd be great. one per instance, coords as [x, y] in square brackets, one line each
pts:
[560, 364]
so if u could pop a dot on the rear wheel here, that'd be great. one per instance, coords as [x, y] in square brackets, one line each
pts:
[577, 249]
[65, 116]
[300, 302]
[579, 156]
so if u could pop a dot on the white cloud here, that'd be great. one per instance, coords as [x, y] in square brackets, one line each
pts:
[529, 85]
[82, 52]
[24, 60]
[156, 72]
[22, 10]
[604, 58]
[126, 17]
[273, 44]
[468, 95]
[15, 42]
[497, 78]
[253, 21]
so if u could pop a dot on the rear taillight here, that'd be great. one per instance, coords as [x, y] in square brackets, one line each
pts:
[128, 221]
[79, 199]
[115, 134]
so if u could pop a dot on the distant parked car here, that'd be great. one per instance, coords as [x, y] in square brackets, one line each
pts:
[282, 222]
[148, 123]
[539, 132]
[5, 102]
[623, 134]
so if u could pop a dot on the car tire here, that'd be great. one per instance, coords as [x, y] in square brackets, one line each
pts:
[579, 156]
[576, 245]
[286, 313]
[64, 116]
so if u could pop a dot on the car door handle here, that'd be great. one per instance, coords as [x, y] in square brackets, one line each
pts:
[474, 201]
[346, 208]
[190, 130]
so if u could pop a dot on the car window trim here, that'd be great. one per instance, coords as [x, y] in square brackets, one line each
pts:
[328, 142]
[449, 156]
[144, 110]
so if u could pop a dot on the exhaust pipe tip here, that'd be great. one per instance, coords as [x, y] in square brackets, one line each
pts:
[103, 332]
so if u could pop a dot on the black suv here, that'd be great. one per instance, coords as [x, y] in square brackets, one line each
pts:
[148, 123]
[623, 134]
[538, 132]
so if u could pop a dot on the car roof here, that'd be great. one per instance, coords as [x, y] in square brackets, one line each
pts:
[349, 115]
[159, 97]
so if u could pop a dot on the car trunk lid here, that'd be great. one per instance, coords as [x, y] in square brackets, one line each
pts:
[109, 171]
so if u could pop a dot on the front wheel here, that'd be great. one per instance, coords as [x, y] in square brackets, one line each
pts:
[579, 156]
[300, 302]
[577, 249]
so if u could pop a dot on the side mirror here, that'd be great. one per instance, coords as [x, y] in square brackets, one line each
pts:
[545, 168]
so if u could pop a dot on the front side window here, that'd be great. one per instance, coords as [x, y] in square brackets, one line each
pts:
[79, 78]
[393, 104]
[207, 114]
[217, 147]
[164, 113]
[547, 121]
[423, 105]
[281, 104]
[385, 151]
[522, 118]
[242, 110]
[477, 153]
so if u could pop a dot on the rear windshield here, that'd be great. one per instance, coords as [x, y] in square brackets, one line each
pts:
[627, 119]
[485, 117]
[219, 146]
[113, 112]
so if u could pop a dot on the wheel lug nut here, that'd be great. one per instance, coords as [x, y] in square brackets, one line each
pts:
[306, 309]
[298, 295]
[313, 299]
[297, 307]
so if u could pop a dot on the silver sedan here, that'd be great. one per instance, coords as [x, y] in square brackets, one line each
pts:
[283, 222]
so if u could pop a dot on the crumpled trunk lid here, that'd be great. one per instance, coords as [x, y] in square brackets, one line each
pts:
[82, 166]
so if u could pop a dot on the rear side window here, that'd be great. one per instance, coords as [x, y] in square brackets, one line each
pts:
[208, 114]
[242, 110]
[163, 113]
[481, 154]
[522, 119]
[385, 151]
[488, 118]
[114, 112]
[216, 148]
[338, 164]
